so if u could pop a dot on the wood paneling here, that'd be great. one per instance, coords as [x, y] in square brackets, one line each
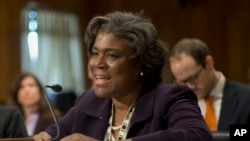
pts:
[224, 25]
[238, 37]
[9, 44]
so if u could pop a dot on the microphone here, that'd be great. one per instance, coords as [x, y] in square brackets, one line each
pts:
[55, 88]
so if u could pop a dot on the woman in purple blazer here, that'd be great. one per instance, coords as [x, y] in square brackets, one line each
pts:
[127, 100]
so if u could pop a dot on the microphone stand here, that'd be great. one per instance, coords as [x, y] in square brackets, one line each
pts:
[53, 113]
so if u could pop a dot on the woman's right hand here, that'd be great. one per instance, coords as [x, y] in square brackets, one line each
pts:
[42, 136]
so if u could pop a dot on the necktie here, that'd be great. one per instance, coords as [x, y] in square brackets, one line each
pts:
[210, 114]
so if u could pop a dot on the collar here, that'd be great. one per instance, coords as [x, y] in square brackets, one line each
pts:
[217, 91]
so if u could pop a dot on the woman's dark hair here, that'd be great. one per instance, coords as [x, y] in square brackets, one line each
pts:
[148, 50]
[16, 85]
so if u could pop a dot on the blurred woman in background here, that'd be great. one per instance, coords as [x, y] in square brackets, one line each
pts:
[27, 93]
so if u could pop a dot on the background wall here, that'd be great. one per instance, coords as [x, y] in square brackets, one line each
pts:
[223, 24]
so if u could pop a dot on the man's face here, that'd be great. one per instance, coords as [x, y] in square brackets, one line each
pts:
[187, 71]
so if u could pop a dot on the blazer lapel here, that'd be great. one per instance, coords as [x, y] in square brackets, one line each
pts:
[143, 108]
[99, 110]
[229, 102]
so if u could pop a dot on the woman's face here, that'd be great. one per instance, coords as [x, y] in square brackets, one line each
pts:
[110, 70]
[29, 94]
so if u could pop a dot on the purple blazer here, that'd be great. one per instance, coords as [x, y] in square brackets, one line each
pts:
[168, 112]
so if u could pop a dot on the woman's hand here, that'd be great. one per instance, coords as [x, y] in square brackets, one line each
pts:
[78, 137]
[42, 136]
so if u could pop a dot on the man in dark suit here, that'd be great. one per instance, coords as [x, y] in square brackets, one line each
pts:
[11, 123]
[192, 64]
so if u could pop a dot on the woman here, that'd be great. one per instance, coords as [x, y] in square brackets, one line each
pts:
[127, 100]
[27, 93]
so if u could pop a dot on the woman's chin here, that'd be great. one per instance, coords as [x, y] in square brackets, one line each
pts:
[99, 92]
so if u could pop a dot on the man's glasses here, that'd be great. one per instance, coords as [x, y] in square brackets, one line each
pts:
[193, 79]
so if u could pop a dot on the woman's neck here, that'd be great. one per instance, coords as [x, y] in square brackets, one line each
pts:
[120, 112]
[123, 103]
[29, 110]
[121, 107]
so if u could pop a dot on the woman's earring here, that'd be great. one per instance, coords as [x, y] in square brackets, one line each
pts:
[141, 74]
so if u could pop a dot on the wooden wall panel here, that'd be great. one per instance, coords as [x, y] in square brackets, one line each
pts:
[9, 45]
[224, 25]
[238, 37]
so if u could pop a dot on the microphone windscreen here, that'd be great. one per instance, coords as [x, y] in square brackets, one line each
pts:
[55, 87]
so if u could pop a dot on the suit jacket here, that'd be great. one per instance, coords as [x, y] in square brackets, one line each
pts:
[167, 112]
[11, 123]
[235, 108]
